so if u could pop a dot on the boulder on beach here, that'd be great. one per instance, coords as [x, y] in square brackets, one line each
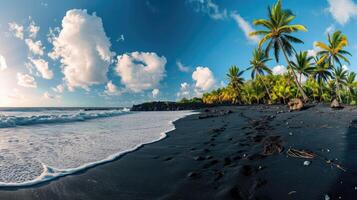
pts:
[335, 104]
[295, 104]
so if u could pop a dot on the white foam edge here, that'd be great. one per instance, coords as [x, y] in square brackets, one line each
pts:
[47, 175]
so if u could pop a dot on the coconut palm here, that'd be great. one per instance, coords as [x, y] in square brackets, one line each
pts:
[235, 80]
[259, 67]
[321, 73]
[334, 50]
[302, 64]
[277, 35]
[339, 75]
[351, 85]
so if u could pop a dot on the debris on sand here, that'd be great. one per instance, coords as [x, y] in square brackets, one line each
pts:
[272, 145]
[327, 197]
[292, 192]
[295, 104]
[296, 153]
[300, 153]
[307, 163]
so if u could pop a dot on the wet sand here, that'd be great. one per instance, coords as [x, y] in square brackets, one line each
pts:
[227, 153]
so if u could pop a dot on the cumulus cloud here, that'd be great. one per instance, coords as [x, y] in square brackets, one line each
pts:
[42, 67]
[83, 49]
[185, 91]
[204, 80]
[279, 70]
[59, 88]
[210, 8]
[17, 30]
[342, 10]
[111, 89]
[3, 64]
[313, 52]
[330, 29]
[245, 27]
[47, 95]
[35, 47]
[33, 29]
[26, 80]
[182, 67]
[140, 71]
[155, 92]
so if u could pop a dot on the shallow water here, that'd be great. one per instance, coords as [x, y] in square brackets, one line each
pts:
[41, 145]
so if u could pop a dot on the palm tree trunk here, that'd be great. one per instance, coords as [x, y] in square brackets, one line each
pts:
[338, 92]
[305, 98]
[266, 88]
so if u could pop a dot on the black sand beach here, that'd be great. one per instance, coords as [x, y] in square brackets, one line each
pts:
[227, 153]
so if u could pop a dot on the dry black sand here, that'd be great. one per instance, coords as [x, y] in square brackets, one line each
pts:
[220, 155]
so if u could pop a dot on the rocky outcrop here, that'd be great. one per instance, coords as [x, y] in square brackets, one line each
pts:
[169, 106]
[295, 104]
[335, 104]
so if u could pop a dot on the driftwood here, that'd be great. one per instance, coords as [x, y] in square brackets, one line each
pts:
[297, 153]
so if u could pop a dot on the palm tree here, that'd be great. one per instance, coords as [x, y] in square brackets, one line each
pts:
[302, 64]
[235, 80]
[339, 75]
[351, 85]
[334, 50]
[278, 36]
[259, 67]
[321, 73]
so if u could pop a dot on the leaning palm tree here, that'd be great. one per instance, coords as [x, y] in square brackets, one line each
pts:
[334, 50]
[259, 67]
[339, 75]
[302, 64]
[235, 80]
[277, 35]
[321, 73]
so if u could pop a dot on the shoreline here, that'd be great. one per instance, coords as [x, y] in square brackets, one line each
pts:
[51, 173]
[220, 157]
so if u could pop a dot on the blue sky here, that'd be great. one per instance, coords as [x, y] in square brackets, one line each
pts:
[122, 52]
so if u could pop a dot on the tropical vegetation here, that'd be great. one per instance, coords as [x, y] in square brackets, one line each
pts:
[321, 77]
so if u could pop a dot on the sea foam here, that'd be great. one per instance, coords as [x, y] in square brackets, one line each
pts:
[7, 121]
[31, 155]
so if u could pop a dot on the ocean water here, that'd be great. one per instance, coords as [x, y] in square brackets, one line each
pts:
[38, 145]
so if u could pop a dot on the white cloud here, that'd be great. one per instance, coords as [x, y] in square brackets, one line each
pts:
[140, 70]
[344, 67]
[42, 67]
[182, 67]
[111, 89]
[313, 52]
[210, 8]
[3, 64]
[33, 29]
[155, 92]
[279, 70]
[342, 10]
[83, 49]
[59, 88]
[35, 47]
[185, 91]
[330, 29]
[246, 27]
[26, 80]
[204, 80]
[47, 95]
[17, 30]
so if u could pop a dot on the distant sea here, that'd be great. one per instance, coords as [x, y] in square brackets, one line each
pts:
[40, 144]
